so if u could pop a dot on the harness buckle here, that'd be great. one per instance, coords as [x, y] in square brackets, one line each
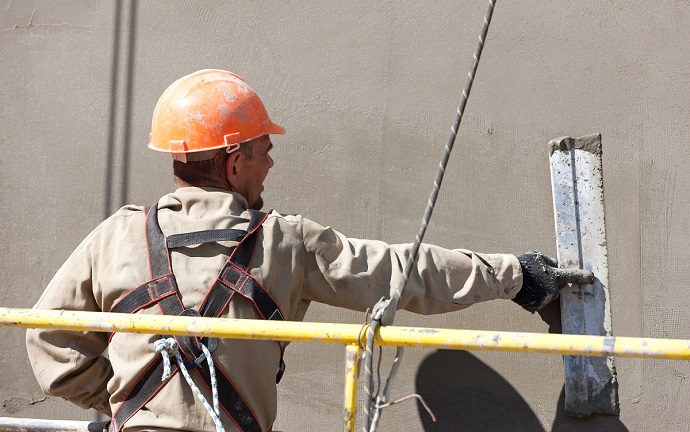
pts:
[210, 343]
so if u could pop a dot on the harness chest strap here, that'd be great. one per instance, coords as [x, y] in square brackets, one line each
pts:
[162, 289]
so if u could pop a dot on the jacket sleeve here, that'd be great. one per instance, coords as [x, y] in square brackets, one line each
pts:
[355, 273]
[71, 364]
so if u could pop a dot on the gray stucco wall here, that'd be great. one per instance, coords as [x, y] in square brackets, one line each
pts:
[367, 92]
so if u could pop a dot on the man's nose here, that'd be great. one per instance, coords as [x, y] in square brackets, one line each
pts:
[270, 161]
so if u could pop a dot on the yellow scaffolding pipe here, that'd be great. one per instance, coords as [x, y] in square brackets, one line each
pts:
[351, 336]
[352, 354]
[348, 334]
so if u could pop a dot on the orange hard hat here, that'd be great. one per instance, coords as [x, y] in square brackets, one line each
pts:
[208, 110]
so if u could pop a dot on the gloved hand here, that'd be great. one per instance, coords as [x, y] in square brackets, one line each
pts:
[542, 280]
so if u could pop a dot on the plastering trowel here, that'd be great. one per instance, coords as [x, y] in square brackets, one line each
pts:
[591, 386]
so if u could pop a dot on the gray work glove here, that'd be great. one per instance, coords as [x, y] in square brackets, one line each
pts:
[542, 280]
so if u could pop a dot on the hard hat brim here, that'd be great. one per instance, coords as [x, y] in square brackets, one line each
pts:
[276, 129]
[271, 129]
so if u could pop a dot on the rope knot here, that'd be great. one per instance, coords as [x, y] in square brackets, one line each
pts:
[166, 347]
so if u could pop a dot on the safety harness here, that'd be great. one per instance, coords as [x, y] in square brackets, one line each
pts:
[233, 279]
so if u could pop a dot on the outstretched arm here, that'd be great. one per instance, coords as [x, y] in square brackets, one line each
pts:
[355, 273]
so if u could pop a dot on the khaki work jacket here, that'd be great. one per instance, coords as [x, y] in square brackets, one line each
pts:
[301, 261]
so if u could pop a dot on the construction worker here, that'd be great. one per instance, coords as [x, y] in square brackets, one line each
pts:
[207, 249]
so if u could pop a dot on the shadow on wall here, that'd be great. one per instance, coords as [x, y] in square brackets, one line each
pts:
[467, 395]
[109, 203]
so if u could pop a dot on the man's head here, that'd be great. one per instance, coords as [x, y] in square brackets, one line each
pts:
[217, 130]
[242, 171]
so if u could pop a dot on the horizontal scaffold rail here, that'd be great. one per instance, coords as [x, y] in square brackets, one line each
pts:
[676, 349]
[9, 424]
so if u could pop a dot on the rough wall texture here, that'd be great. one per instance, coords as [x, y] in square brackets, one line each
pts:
[367, 92]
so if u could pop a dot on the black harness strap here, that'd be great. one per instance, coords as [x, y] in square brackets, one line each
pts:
[243, 253]
[234, 278]
[145, 295]
[245, 285]
[159, 256]
[148, 385]
[231, 401]
[160, 264]
[208, 236]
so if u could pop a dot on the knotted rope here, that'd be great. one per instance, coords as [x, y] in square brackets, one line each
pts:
[167, 347]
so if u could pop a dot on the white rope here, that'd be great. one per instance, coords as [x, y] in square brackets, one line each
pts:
[168, 347]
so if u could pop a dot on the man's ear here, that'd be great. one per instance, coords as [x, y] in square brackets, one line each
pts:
[231, 172]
